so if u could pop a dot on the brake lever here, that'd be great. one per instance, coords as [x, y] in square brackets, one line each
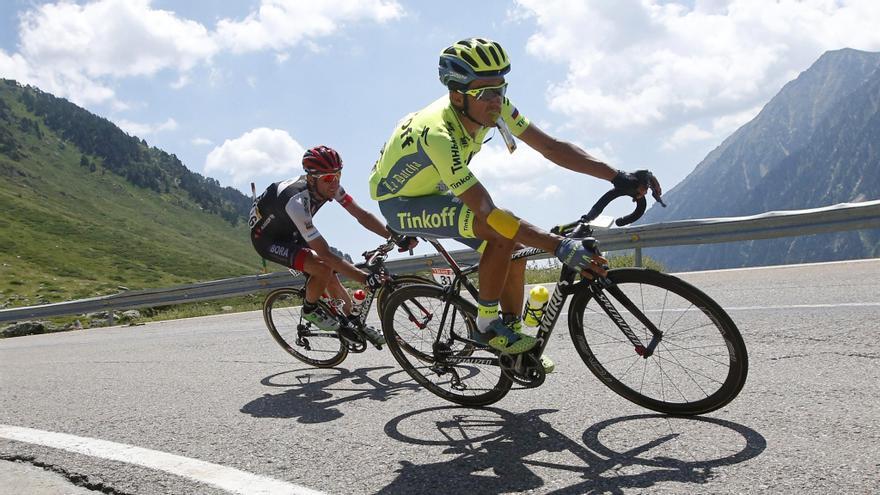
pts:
[657, 198]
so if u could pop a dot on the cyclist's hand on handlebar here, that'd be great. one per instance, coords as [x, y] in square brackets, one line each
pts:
[582, 255]
[406, 243]
[636, 184]
[403, 242]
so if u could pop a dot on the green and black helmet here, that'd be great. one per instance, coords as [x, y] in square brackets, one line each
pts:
[472, 59]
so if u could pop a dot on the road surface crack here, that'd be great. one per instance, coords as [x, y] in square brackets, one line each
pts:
[76, 479]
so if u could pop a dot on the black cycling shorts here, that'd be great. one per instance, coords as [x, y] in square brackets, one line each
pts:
[290, 253]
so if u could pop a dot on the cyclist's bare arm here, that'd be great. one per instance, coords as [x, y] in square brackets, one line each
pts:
[569, 156]
[339, 265]
[566, 154]
[367, 219]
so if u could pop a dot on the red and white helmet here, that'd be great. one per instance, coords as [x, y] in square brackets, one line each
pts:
[321, 160]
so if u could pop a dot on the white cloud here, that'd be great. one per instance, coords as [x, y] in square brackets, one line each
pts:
[511, 177]
[550, 192]
[72, 48]
[495, 162]
[14, 67]
[281, 24]
[726, 124]
[257, 152]
[686, 134]
[77, 51]
[141, 130]
[658, 63]
[720, 128]
[200, 141]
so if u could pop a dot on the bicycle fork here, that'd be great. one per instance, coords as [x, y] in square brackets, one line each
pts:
[598, 289]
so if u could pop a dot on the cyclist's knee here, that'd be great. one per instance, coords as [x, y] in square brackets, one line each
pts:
[502, 244]
[316, 268]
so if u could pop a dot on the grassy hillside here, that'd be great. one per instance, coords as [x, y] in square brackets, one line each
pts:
[70, 228]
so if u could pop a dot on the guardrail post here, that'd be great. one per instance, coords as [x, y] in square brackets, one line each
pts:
[638, 256]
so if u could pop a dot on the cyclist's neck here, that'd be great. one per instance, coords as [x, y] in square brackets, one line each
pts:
[471, 126]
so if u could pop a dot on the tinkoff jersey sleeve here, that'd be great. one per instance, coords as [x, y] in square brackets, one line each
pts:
[516, 121]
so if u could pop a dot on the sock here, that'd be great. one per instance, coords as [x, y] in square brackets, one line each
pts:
[487, 312]
[308, 307]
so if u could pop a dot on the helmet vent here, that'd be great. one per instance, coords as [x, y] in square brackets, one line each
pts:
[494, 54]
[482, 53]
[467, 58]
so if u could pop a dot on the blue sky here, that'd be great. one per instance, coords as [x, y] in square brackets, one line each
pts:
[238, 89]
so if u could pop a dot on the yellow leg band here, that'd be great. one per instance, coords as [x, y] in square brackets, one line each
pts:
[504, 223]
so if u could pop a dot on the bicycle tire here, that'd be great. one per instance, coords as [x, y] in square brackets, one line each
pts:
[399, 281]
[413, 347]
[282, 312]
[697, 331]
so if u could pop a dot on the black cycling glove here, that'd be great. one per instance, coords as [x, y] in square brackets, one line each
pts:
[405, 242]
[629, 183]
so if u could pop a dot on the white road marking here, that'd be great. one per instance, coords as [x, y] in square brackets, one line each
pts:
[226, 478]
[778, 267]
[804, 306]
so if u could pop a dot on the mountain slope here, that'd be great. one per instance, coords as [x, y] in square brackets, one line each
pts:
[814, 144]
[85, 208]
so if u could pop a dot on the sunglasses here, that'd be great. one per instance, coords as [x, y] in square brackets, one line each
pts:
[487, 92]
[329, 178]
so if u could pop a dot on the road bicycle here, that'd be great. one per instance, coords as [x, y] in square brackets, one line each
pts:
[651, 337]
[282, 312]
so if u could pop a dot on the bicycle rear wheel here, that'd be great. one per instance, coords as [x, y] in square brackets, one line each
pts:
[282, 311]
[700, 364]
[450, 367]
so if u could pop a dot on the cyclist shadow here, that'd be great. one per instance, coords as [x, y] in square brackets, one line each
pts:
[497, 451]
[314, 395]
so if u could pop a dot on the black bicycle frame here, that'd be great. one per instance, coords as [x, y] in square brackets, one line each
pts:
[565, 287]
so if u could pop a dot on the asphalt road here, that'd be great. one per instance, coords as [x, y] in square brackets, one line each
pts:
[154, 408]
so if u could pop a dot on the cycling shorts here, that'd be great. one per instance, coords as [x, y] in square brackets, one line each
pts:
[440, 216]
[290, 253]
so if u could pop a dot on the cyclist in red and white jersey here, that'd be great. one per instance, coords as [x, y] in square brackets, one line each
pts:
[283, 231]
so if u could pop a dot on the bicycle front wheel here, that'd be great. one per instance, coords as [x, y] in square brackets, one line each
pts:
[282, 311]
[699, 365]
[425, 329]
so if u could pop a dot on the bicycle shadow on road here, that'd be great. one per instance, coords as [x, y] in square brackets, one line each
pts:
[313, 395]
[496, 451]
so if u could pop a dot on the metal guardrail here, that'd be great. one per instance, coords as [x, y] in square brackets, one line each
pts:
[840, 217]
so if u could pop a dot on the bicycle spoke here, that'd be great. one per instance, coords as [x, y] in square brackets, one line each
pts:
[436, 355]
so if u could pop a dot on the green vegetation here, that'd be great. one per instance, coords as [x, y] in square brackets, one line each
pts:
[73, 225]
[550, 274]
[86, 210]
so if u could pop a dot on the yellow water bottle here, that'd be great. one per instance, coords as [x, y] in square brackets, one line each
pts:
[534, 309]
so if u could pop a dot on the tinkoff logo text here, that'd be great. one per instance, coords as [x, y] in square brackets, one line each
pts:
[446, 218]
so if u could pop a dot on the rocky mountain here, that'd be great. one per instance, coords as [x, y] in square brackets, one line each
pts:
[816, 143]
